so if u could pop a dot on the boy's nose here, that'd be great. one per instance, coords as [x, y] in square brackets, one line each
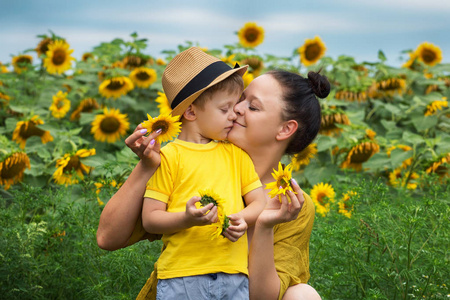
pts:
[232, 116]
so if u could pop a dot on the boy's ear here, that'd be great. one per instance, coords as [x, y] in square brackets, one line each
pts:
[287, 129]
[190, 113]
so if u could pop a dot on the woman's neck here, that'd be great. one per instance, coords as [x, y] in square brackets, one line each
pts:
[265, 160]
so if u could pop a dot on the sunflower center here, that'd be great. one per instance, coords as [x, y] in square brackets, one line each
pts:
[321, 198]
[30, 130]
[59, 57]
[251, 35]
[60, 104]
[206, 199]
[160, 124]
[73, 164]
[428, 56]
[283, 183]
[109, 125]
[12, 170]
[360, 157]
[115, 85]
[312, 51]
[23, 60]
[143, 76]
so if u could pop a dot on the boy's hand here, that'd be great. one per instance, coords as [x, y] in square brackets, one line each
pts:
[147, 148]
[200, 216]
[237, 227]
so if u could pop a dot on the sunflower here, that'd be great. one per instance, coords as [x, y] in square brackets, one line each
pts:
[388, 87]
[27, 129]
[4, 96]
[311, 51]
[3, 69]
[161, 62]
[329, 121]
[110, 126]
[71, 164]
[86, 56]
[209, 196]
[410, 62]
[21, 63]
[405, 148]
[99, 186]
[12, 168]
[251, 35]
[359, 154]
[397, 178]
[370, 134]
[434, 106]
[248, 77]
[86, 105]
[116, 87]
[429, 54]
[303, 158]
[60, 105]
[322, 194]
[42, 47]
[169, 125]
[58, 57]
[344, 207]
[255, 63]
[163, 104]
[229, 59]
[438, 88]
[143, 77]
[134, 61]
[282, 182]
[440, 166]
[351, 96]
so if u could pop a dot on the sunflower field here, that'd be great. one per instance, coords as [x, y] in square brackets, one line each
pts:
[378, 172]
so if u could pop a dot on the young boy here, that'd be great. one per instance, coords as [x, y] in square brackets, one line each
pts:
[204, 91]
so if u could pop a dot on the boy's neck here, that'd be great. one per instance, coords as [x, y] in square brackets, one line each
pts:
[191, 133]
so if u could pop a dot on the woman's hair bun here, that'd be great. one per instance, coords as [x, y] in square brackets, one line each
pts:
[319, 84]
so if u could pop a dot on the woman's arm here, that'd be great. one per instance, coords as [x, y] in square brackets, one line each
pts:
[120, 214]
[263, 277]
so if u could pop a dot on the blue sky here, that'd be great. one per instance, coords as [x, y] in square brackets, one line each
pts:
[356, 28]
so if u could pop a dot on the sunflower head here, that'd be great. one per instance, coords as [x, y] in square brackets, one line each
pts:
[255, 63]
[70, 168]
[170, 127]
[163, 104]
[282, 182]
[303, 158]
[86, 56]
[360, 96]
[110, 126]
[429, 54]
[435, 106]
[440, 166]
[209, 196]
[22, 63]
[116, 87]
[58, 58]
[359, 154]
[135, 61]
[60, 105]
[86, 105]
[311, 51]
[248, 77]
[143, 77]
[161, 62]
[42, 47]
[344, 207]
[388, 87]
[322, 194]
[12, 167]
[28, 128]
[251, 35]
[329, 121]
[402, 178]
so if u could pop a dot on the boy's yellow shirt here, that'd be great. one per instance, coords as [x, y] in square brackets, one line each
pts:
[185, 169]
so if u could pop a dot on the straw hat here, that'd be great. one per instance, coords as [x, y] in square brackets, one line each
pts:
[190, 73]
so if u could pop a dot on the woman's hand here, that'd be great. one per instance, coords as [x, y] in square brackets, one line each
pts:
[237, 227]
[275, 212]
[147, 148]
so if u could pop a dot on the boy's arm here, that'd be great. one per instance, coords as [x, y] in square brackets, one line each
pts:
[156, 219]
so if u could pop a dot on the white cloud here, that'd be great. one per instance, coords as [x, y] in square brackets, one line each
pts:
[426, 6]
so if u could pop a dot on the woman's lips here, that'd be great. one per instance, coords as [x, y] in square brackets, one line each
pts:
[237, 123]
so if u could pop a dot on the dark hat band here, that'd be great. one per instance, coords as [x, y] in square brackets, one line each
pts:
[201, 80]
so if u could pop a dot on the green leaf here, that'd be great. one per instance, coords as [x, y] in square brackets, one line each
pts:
[87, 118]
[379, 161]
[93, 161]
[412, 138]
[325, 143]
[315, 173]
[398, 156]
[381, 56]
[423, 123]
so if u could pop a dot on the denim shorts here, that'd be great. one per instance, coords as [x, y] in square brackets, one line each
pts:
[213, 286]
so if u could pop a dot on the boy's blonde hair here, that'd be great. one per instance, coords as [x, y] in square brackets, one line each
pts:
[232, 84]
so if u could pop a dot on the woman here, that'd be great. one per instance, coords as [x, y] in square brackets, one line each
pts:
[278, 114]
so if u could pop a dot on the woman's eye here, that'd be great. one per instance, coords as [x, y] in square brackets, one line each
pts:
[252, 108]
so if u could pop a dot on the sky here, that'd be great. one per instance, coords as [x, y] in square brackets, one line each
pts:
[357, 28]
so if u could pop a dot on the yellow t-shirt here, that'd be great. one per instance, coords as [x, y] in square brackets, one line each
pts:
[185, 169]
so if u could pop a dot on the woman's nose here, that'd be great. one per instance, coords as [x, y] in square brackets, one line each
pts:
[232, 116]
[239, 109]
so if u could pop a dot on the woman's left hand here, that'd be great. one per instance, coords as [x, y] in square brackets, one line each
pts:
[275, 212]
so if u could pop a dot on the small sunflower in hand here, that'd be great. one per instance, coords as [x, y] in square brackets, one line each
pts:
[282, 182]
[170, 127]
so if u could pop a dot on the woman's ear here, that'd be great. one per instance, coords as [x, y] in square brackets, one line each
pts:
[190, 114]
[287, 129]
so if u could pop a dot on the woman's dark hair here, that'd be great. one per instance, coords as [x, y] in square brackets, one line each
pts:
[301, 105]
